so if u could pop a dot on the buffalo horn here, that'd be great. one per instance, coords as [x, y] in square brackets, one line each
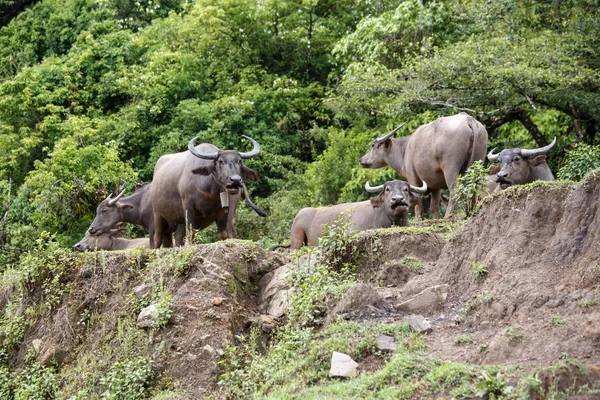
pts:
[386, 137]
[112, 202]
[254, 151]
[419, 190]
[258, 210]
[492, 157]
[537, 152]
[375, 189]
[206, 156]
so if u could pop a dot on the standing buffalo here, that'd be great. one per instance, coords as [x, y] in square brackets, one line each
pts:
[520, 166]
[136, 209]
[109, 240]
[435, 153]
[390, 208]
[198, 187]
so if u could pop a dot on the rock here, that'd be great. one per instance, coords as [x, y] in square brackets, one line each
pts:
[342, 365]
[36, 344]
[54, 355]
[419, 324]
[360, 299]
[148, 318]
[267, 323]
[209, 350]
[217, 301]
[386, 343]
[142, 291]
[428, 300]
[274, 288]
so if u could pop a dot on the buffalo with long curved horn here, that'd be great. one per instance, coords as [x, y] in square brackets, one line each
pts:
[389, 208]
[519, 166]
[201, 186]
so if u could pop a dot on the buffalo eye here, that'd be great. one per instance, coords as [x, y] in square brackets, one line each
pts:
[406, 189]
[221, 162]
[104, 210]
[387, 189]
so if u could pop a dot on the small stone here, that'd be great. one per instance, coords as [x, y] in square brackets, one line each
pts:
[386, 343]
[148, 318]
[220, 352]
[217, 301]
[267, 323]
[427, 300]
[142, 291]
[209, 350]
[190, 357]
[342, 365]
[37, 345]
[203, 338]
[419, 324]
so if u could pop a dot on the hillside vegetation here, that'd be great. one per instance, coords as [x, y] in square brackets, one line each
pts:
[92, 92]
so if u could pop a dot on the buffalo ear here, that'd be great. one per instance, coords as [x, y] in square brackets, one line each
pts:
[388, 143]
[494, 169]
[534, 162]
[127, 206]
[249, 174]
[376, 201]
[204, 170]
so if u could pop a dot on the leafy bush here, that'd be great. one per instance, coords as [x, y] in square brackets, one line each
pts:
[470, 186]
[128, 379]
[579, 161]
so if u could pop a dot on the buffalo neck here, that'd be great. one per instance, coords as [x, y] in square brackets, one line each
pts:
[396, 155]
[134, 214]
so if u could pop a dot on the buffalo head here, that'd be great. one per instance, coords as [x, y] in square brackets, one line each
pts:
[515, 166]
[108, 214]
[227, 167]
[396, 197]
[102, 241]
[377, 156]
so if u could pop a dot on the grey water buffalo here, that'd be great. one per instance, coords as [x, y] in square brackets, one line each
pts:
[435, 153]
[519, 166]
[200, 186]
[109, 240]
[135, 209]
[389, 208]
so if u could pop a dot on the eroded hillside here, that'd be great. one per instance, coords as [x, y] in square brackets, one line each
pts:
[516, 312]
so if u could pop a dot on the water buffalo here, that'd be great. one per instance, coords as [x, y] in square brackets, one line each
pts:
[435, 153]
[520, 166]
[109, 240]
[388, 209]
[198, 187]
[136, 209]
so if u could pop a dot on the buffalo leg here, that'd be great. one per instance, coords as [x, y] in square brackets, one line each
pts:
[160, 226]
[418, 209]
[436, 199]
[180, 235]
[451, 183]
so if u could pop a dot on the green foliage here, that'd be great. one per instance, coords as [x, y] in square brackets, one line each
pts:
[128, 379]
[338, 243]
[412, 263]
[556, 320]
[35, 382]
[514, 332]
[479, 270]
[463, 339]
[13, 327]
[580, 161]
[470, 186]
[45, 271]
[493, 385]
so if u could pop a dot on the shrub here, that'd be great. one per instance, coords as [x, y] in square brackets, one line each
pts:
[470, 186]
[128, 379]
[581, 160]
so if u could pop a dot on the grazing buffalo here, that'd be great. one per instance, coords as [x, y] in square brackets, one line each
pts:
[109, 240]
[388, 209]
[435, 153]
[519, 166]
[200, 186]
[136, 209]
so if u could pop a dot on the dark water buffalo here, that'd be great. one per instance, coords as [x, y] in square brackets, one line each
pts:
[388, 209]
[435, 153]
[188, 186]
[109, 240]
[519, 166]
[135, 209]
